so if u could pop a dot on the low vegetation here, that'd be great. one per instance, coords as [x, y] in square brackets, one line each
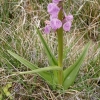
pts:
[18, 19]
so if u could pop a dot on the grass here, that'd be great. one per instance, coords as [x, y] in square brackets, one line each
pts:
[17, 33]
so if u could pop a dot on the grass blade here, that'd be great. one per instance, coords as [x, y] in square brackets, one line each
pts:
[47, 76]
[71, 72]
[40, 70]
[51, 58]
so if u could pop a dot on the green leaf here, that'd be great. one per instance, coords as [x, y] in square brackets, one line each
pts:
[52, 59]
[6, 90]
[40, 70]
[46, 75]
[71, 72]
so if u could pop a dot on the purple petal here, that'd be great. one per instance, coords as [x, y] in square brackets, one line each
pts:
[69, 17]
[55, 23]
[53, 16]
[67, 26]
[47, 29]
[53, 9]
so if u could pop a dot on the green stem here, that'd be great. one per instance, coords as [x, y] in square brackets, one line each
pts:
[60, 55]
[60, 47]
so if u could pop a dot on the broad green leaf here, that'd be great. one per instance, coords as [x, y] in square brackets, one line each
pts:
[46, 75]
[52, 59]
[40, 70]
[71, 72]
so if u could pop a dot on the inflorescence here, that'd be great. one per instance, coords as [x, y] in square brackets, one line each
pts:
[55, 23]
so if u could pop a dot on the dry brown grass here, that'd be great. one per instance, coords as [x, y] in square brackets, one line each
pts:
[18, 34]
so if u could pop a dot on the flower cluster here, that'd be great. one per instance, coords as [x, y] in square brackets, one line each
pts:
[54, 22]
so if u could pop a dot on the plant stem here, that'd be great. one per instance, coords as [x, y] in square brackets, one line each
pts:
[60, 47]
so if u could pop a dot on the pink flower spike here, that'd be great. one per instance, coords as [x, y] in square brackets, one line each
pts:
[53, 9]
[67, 26]
[47, 29]
[55, 23]
[56, 1]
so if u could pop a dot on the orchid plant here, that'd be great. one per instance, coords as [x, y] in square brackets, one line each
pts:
[55, 75]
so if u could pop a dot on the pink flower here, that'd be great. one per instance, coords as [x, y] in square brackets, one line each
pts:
[69, 17]
[67, 22]
[53, 9]
[55, 23]
[53, 16]
[67, 26]
[47, 29]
